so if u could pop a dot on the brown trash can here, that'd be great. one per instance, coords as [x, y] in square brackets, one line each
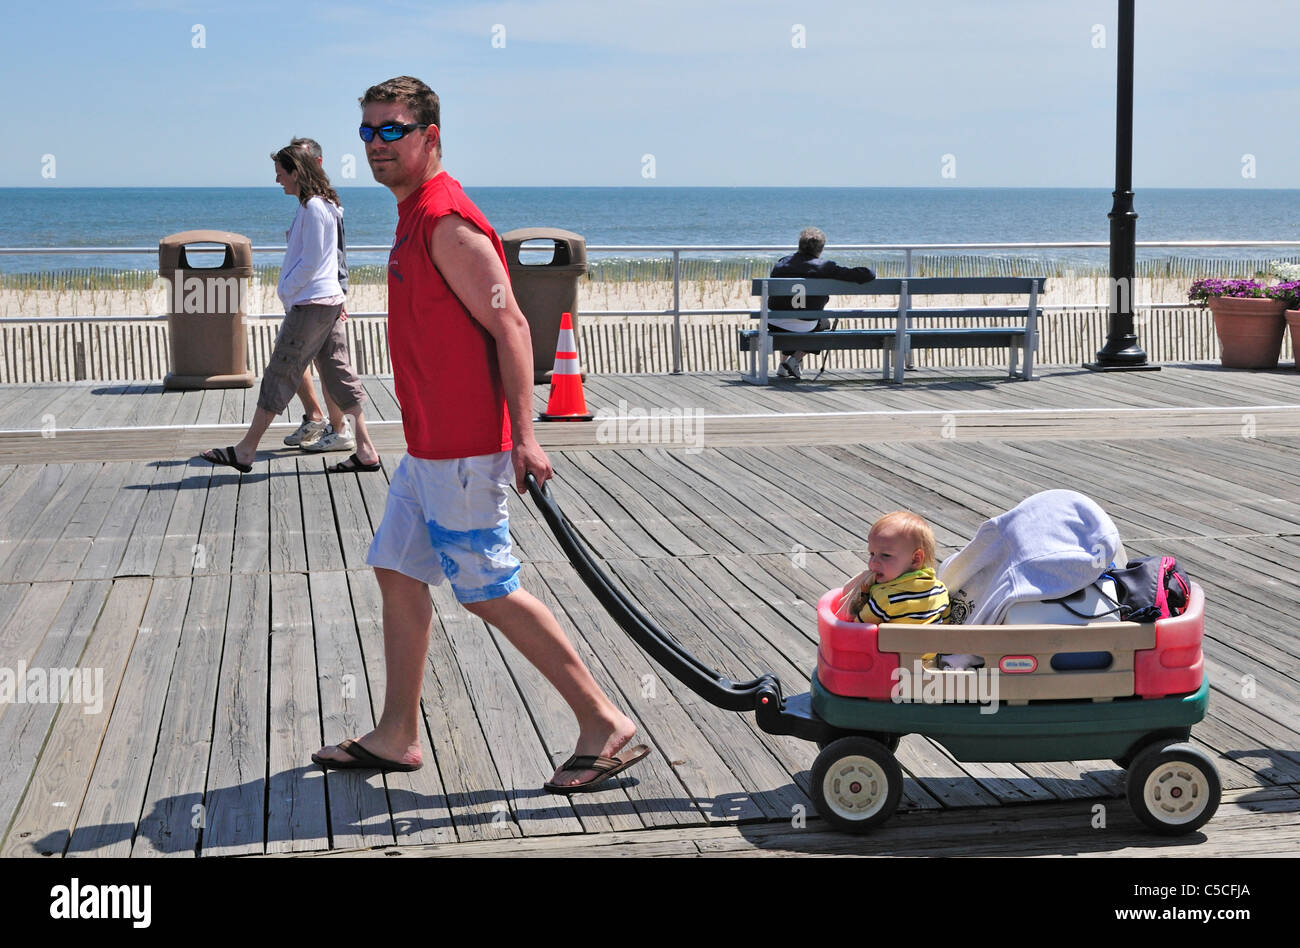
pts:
[205, 322]
[546, 290]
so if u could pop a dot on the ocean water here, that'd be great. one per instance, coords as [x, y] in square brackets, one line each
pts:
[138, 217]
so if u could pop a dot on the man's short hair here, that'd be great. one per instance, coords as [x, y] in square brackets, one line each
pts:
[412, 93]
[310, 144]
[811, 241]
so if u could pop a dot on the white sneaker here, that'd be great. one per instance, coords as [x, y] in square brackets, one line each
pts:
[307, 432]
[333, 440]
[789, 367]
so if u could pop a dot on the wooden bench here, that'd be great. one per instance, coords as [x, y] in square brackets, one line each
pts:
[1017, 328]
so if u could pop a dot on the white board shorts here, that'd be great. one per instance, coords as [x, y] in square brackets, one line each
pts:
[449, 520]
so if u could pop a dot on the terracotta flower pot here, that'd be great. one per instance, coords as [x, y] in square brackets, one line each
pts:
[1250, 331]
[1293, 321]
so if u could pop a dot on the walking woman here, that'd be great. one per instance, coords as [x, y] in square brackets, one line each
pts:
[312, 329]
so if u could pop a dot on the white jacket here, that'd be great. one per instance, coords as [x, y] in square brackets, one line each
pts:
[311, 269]
[1047, 546]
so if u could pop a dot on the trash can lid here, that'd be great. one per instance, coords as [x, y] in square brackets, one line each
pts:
[570, 248]
[238, 257]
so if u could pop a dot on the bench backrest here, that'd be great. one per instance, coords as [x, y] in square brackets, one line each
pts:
[916, 286]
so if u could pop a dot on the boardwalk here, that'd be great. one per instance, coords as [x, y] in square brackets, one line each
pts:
[236, 628]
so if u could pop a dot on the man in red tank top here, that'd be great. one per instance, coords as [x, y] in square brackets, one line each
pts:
[462, 366]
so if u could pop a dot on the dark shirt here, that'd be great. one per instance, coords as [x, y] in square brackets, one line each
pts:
[802, 265]
[343, 260]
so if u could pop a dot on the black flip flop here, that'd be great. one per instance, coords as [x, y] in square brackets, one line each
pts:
[352, 465]
[362, 759]
[226, 457]
[605, 767]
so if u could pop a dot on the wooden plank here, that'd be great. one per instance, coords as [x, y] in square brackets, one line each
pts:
[519, 757]
[169, 480]
[235, 804]
[621, 465]
[940, 775]
[52, 803]
[474, 793]
[351, 518]
[26, 624]
[77, 541]
[805, 525]
[175, 808]
[100, 556]
[116, 790]
[296, 818]
[684, 753]
[288, 540]
[597, 516]
[25, 726]
[27, 494]
[27, 555]
[748, 528]
[846, 485]
[654, 790]
[380, 402]
[762, 761]
[19, 409]
[418, 801]
[645, 514]
[358, 808]
[252, 546]
[11, 595]
[214, 539]
[179, 550]
[321, 537]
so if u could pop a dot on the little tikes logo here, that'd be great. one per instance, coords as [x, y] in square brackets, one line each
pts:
[1018, 664]
[393, 261]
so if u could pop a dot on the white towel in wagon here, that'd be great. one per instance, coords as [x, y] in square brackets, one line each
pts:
[1047, 546]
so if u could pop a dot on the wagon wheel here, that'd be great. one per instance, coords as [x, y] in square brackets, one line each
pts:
[856, 784]
[1173, 788]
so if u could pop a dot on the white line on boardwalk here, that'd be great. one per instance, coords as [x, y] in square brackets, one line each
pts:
[1008, 411]
[941, 412]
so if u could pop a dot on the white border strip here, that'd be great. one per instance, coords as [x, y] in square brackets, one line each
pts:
[773, 416]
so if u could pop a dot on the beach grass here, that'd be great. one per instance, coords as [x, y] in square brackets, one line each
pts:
[639, 283]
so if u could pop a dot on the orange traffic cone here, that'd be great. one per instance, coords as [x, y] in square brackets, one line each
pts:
[567, 402]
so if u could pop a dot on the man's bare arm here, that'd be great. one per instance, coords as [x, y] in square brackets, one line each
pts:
[470, 265]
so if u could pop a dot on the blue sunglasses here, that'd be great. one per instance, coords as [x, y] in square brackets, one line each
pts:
[389, 133]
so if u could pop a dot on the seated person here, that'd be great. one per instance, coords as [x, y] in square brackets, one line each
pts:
[807, 262]
[899, 584]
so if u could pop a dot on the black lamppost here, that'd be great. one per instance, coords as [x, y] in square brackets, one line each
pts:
[1121, 351]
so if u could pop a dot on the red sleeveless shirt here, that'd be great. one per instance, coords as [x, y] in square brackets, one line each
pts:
[445, 365]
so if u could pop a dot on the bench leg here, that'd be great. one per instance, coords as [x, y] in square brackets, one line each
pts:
[759, 355]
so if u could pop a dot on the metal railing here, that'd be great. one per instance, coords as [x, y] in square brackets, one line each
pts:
[676, 251]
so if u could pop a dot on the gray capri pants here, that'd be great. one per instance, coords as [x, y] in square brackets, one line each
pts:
[310, 333]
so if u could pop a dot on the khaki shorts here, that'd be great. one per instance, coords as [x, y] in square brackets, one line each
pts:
[310, 333]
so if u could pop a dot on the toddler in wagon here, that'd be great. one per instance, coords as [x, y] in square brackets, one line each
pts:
[899, 583]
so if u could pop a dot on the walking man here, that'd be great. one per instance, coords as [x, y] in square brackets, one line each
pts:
[462, 366]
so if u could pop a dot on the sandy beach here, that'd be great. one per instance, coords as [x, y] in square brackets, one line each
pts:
[594, 296]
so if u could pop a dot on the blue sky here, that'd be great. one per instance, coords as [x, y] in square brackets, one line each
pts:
[1016, 92]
